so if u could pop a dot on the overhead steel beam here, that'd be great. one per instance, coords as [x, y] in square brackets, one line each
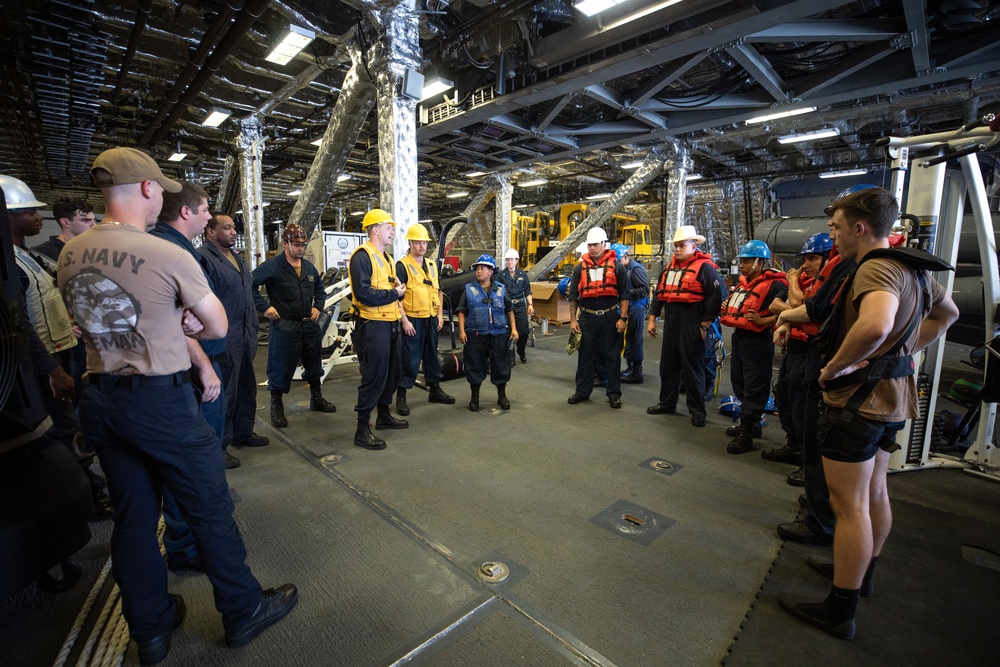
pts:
[857, 61]
[758, 67]
[611, 127]
[832, 30]
[724, 30]
[512, 123]
[554, 109]
[748, 101]
[656, 161]
[615, 100]
[916, 23]
[667, 75]
[970, 48]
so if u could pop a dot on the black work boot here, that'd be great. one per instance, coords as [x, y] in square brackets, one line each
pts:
[278, 411]
[743, 442]
[635, 377]
[437, 395]
[364, 437]
[502, 397]
[316, 401]
[386, 420]
[474, 401]
[626, 372]
[401, 406]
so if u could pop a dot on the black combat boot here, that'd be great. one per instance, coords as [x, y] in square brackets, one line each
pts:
[364, 437]
[278, 411]
[502, 397]
[474, 401]
[635, 377]
[743, 442]
[437, 395]
[401, 406]
[316, 401]
[386, 420]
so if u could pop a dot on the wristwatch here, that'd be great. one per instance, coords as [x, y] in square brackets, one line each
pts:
[623, 319]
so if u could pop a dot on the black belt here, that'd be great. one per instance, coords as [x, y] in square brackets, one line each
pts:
[297, 319]
[133, 382]
[517, 300]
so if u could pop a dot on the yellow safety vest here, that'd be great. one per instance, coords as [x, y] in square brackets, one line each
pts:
[383, 278]
[421, 296]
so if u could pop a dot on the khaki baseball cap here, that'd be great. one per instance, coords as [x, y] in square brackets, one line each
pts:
[125, 165]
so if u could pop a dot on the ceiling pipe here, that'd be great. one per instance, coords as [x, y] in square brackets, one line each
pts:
[143, 11]
[195, 63]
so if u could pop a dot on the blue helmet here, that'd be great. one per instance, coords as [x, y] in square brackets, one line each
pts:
[817, 244]
[855, 188]
[485, 260]
[563, 287]
[755, 250]
[729, 406]
[620, 250]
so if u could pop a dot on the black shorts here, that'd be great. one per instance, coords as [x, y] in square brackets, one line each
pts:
[857, 440]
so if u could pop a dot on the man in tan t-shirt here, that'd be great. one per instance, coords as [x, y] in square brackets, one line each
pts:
[876, 311]
[130, 293]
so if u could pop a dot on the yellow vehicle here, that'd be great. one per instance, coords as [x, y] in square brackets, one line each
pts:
[534, 236]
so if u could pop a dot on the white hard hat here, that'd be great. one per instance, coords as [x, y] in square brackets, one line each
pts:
[511, 254]
[597, 235]
[18, 195]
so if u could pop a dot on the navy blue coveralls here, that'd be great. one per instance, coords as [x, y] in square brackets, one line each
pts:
[422, 345]
[178, 540]
[638, 301]
[487, 330]
[293, 295]
[518, 290]
[751, 361]
[234, 287]
[683, 350]
[375, 342]
[600, 343]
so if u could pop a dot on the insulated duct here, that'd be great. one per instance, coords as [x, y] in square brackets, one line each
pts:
[251, 146]
[396, 52]
[504, 192]
[357, 96]
[651, 167]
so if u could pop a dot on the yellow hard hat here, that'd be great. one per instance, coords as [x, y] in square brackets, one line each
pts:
[376, 216]
[417, 233]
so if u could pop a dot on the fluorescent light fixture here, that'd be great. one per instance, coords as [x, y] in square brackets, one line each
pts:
[809, 136]
[216, 117]
[277, 222]
[532, 183]
[474, 174]
[693, 177]
[632, 165]
[357, 212]
[457, 195]
[343, 177]
[846, 172]
[425, 221]
[779, 114]
[520, 206]
[317, 142]
[294, 41]
[436, 85]
[295, 193]
[603, 195]
[177, 157]
[265, 204]
[640, 13]
[592, 7]
[239, 211]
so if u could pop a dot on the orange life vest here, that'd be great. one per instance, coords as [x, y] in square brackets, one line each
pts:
[598, 278]
[804, 330]
[679, 282]
[749, 297]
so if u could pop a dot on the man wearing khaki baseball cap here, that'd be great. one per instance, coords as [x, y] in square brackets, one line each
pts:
[124, 166]
[129, 292]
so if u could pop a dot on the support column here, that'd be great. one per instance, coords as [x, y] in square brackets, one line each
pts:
[251, 148]
[356, 99]
[396, 51]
